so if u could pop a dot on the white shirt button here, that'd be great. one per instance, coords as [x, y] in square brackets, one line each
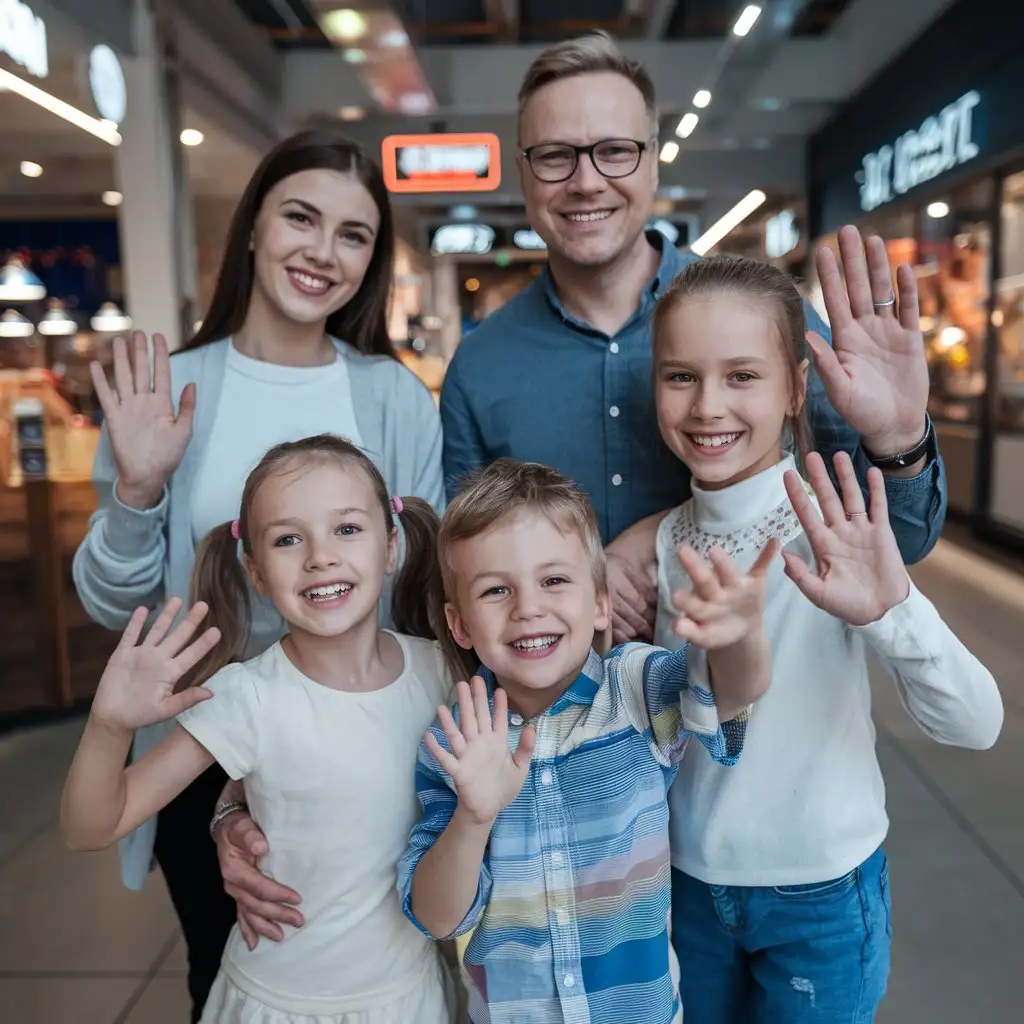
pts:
[614, 348]
[617, 480]
[613, 411]
[569, 981]
[556, 858]
[515, 718]
[546, 777]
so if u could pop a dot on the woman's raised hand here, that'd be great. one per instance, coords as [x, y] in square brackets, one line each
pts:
[148, 437]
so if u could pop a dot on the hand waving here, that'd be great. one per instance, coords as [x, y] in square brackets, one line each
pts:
[137, 686]
[860, 571]
[487, 775]
[875, 373]
[724, 606]
[149, 439]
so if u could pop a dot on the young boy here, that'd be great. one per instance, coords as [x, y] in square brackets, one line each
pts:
[545, 822]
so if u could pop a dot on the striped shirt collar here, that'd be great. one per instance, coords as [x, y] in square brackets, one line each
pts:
[581, 692]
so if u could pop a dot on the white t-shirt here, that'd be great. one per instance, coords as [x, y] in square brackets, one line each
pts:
[806, 801]
[261, 405]
[330, 777]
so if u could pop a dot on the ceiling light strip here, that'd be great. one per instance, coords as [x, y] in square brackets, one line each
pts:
[105, 130]
[726, 223]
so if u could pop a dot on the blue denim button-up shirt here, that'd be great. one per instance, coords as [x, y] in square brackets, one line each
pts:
[532, 382]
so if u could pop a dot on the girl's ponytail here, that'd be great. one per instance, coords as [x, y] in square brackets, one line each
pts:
[418, 592]
[219, 579]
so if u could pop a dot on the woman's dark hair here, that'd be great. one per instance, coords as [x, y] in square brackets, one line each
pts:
[362, 321]
[220, 579]
[736, 275]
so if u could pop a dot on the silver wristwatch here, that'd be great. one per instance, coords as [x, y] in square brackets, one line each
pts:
[222, 811]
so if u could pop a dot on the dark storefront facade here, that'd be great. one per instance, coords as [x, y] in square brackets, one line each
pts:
[930, 156]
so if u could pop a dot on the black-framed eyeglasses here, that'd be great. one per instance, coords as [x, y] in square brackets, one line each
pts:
[557, 161]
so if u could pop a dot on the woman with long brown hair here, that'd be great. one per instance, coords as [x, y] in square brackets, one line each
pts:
[294, 343]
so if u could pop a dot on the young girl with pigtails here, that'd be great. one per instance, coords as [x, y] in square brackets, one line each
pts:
[323, 728]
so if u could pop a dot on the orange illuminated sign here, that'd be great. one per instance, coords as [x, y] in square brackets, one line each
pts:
[455, 162]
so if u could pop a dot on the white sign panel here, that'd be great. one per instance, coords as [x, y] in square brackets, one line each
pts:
[527, 238]
[475, 239]
[420, 160]
[941, 143]
[23, 37]
[106, 80]
[781, 235]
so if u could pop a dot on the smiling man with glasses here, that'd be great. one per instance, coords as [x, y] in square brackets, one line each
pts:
[562, 373]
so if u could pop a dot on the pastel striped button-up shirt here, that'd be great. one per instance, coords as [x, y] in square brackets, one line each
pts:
[572, 906]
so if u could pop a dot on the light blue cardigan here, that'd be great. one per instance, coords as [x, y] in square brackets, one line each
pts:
[131, 558]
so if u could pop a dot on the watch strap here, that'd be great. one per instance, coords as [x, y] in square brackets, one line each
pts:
[926, 446]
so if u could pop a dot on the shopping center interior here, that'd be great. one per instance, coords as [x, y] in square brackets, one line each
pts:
[130, 129]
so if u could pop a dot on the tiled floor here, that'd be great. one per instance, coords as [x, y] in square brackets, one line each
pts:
[76, 948]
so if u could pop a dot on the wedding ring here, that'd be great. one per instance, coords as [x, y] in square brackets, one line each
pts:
[891, 301]
[855, 515]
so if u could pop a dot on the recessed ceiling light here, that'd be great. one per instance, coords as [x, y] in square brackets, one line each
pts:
[351, 113]
[355, 56]
[745, 22]
[669, 152]
[112, 198]
[31, 169]
[346, 25]
[701, 98]
[686, 126]
[938, 209]
[191, 137]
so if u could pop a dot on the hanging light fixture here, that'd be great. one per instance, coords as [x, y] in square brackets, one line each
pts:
[109, 319]
[14, 325]
[19, 284]
[56, 323]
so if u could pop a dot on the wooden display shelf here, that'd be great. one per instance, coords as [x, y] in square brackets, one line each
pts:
[51, 653]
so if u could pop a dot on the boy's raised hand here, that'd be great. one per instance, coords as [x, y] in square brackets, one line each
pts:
[860, 572]
[725, 606]
[137, 686]
[487, 775]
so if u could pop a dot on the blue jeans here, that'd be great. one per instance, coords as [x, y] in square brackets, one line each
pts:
[786, 955]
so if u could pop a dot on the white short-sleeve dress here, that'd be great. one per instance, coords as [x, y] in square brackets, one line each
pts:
[330, 777]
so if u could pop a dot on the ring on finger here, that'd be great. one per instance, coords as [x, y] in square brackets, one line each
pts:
[889, 302]
[856, 515]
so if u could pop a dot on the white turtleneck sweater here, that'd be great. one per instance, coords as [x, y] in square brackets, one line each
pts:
[806, 802]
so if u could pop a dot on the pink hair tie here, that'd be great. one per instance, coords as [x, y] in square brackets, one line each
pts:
[397, 505]
[236, 529]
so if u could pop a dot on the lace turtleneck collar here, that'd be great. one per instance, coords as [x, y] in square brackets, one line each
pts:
[730, 508]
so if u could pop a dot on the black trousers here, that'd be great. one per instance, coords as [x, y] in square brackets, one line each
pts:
[188, 858]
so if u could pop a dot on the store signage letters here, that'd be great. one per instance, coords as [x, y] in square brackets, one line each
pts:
[475, 239]
[23, 37]
[943, 142]
[454, 162]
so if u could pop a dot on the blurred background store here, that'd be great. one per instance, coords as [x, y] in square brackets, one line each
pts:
[128, 129]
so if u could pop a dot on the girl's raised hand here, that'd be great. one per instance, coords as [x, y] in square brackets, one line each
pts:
[148, 437]
[860, 573]
[725, 606]
[137, 686]
[487, 775]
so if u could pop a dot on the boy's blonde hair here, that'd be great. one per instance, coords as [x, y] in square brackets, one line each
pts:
[506, 487]
[594, 52]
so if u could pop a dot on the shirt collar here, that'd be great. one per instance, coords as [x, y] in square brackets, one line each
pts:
[671, 262]
[581, 691]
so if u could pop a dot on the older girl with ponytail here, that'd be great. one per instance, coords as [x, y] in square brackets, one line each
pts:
[322, 727]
